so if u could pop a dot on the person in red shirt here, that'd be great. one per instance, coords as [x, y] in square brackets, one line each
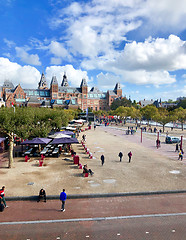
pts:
[2, 196]
[130, 155]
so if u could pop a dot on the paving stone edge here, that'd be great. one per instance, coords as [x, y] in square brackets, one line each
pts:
[94, 195]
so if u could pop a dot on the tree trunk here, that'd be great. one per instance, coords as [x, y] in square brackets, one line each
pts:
[11, 148]
[163, 127]
[182, 126]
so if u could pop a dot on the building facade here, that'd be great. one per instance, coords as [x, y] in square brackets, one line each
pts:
[59, 95]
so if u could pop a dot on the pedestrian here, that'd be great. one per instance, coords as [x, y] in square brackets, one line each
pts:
[83, 137]
[130, 155]
[42, 195]
[102, 159]
[180, 155]
[2, 196]
[63, 197]
[94, 126]
[120, 155]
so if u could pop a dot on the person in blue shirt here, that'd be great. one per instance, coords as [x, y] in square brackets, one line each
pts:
[63, 197]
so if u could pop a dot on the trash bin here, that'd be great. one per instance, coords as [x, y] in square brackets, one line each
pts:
[76, 159]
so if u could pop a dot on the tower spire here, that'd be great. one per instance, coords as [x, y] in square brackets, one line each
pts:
[64, 81]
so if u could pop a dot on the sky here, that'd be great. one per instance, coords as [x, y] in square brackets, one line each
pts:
[139, 43]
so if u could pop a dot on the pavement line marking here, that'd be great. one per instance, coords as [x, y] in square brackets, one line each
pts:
[93, 219]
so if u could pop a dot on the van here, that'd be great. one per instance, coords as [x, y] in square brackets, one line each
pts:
[169, 139]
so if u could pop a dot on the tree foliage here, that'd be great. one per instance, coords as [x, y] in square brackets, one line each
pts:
[121, 102]
[163, 117]
[31, 122]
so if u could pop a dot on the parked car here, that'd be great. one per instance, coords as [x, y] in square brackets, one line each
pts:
[169, 139]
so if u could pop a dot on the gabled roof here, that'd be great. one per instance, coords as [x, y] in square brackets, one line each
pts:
[111, 92]
[68, 90]
[34, 99]
[95, 90]
[8, 84]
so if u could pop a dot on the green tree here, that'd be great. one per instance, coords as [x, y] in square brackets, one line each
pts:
[149, 112]
[123, 112]
[180, 114]
[182, 104]
[120, 102]
[30, 122]
[163, 117]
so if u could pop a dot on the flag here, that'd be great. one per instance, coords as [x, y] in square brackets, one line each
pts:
[12, 104]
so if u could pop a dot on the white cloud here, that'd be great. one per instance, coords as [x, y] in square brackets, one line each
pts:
[154, 54]
[55, 60]
[105, 81]
[9, 43]
[27, 76]
[147, 62]
[166, 15]
[97, 27]
[74, 76]
[173, 94]
[32, 59]
[58, 50]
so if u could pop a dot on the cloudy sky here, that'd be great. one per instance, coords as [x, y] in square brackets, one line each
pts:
[139, 43]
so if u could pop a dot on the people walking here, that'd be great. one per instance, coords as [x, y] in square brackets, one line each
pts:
[2, 196]
[63, 197]
[130, 155]
[120, 155]
[180, 155]
[102, 159]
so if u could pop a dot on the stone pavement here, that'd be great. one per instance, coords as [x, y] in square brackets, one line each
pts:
[151, 169]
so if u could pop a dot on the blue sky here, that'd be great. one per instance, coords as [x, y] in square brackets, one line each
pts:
[139, 43]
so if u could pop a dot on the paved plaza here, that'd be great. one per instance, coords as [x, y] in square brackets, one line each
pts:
[151, 169]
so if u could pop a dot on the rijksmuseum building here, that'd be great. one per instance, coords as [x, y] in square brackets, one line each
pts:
[59, 95]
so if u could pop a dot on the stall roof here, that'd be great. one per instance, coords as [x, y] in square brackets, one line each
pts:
[37, 141]
[64, 141]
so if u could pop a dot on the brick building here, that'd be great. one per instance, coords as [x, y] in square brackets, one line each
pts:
[59, 95]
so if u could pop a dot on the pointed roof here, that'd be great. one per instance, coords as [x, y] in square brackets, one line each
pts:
[54, 81]
[64, 81]
[42, 82]
[117, 87]
[83, 83]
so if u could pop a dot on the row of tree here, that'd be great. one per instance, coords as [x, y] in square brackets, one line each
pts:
[28, 123]
[149, 112]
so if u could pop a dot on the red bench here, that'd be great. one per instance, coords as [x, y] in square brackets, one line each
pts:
[26, 158]
[40, 163]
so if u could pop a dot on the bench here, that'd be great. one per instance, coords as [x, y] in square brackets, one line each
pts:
[26, 158]
[40, 163]
[85, 174]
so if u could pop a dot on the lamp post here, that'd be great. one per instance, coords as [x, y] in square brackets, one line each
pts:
[181, 143]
